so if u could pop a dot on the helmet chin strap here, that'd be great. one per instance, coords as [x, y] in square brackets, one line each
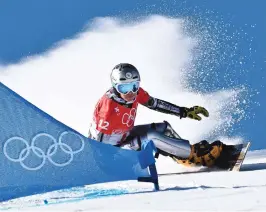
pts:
[112, 93]
[130, 102]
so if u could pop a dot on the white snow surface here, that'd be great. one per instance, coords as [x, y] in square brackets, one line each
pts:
[209, 191]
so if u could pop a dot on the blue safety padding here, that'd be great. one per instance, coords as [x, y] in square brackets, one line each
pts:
[40, 154]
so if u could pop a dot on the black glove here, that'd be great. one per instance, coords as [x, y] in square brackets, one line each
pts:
[193, 112]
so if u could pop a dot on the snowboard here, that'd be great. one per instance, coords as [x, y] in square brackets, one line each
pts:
[233, 163]
[231, 158]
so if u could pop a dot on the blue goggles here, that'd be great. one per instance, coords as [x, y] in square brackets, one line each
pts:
[125, 88]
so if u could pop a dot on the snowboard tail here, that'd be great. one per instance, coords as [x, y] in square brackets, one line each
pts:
[232, 157]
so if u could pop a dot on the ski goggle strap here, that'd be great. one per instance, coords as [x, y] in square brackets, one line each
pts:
[125, 88]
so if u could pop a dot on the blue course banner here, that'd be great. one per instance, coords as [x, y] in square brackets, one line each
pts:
[40, 154]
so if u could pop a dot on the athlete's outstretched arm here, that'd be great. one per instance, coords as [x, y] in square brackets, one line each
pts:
[169, 108]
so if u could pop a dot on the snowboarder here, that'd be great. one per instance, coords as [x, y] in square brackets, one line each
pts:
[115, 112]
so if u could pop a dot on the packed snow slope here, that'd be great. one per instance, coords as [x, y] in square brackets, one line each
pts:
[211, 191]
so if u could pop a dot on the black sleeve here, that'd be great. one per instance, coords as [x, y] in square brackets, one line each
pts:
[165, 107]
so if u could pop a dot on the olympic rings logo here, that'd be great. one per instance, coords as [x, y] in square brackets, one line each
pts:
[129, 119]
[52, 150]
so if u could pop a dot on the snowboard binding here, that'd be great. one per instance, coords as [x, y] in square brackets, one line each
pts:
[202, 154]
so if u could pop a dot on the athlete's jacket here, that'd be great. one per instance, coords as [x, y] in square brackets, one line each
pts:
[113, 117]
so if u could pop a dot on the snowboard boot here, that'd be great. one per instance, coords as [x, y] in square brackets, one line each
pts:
[202, 154]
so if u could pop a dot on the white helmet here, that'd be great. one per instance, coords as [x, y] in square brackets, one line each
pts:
[124, 73]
